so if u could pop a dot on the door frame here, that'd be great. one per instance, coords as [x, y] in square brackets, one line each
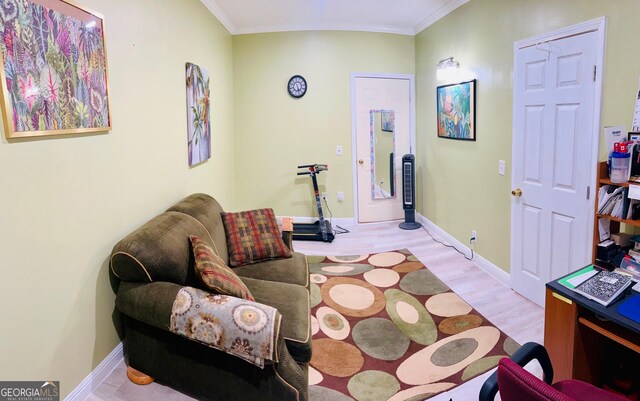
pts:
[598, 25]
[412, 125]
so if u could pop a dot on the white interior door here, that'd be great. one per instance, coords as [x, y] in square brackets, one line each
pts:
[378, 95]
[553, 160]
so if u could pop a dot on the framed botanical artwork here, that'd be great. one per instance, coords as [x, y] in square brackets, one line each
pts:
[388, 121]
[456, 110]
[198, 124]
[53, 69]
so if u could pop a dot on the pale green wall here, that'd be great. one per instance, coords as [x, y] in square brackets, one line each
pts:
[274, 133]
[459, 188]
[67, 201]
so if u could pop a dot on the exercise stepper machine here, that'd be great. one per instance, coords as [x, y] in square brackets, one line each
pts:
[320, 230]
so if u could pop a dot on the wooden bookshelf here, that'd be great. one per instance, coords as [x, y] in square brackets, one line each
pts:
[603, 179]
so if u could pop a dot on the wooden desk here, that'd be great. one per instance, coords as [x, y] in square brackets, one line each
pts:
[585, 340]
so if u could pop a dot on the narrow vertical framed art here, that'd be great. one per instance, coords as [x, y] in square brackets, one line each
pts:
[53, 69]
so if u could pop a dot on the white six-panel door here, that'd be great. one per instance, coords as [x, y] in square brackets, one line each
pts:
[554, 92]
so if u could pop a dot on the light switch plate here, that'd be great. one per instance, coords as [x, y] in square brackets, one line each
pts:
[502, 167]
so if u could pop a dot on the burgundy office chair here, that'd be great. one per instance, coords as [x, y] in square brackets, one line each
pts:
[517, 384]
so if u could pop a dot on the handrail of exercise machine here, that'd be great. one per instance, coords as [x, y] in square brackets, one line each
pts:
[313, 168]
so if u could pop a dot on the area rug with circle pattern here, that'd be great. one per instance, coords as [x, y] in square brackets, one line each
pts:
[386, 328]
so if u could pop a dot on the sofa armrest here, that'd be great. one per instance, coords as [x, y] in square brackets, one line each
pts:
[287, 232]
[287, 238]
[150, 303]
[155, 304]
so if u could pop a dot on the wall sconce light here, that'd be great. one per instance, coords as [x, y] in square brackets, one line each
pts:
[447, 68]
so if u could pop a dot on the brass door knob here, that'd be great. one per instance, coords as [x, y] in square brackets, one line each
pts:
[360, 161]
[516, 192]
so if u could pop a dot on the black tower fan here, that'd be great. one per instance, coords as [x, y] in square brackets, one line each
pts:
[409, 193]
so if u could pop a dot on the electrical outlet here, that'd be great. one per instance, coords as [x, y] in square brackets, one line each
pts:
[340, 196]
[324, 195]
[339, 150]
[473, 239]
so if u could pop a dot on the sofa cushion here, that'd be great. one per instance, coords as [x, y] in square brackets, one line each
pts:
[207, 211]
[292, 301]
[253, 236]
[294, 270]
[213, 273]
[158, 251]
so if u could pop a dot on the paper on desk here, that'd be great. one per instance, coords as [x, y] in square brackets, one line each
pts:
[603, 229]
[577, 280]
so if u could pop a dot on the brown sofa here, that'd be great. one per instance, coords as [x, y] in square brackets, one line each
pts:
[155, 261]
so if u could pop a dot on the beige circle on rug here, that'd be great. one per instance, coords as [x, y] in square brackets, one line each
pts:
[407, 312]
[315, 377]
[336, 358]
[421, 392]
[386, 259]
[332, 323]
[348, 259]
[315, 326]
[419, 368]
[382, 277]
[408, 267]
[352, 297]
[447, 305]
[337, 269]
[318, 278]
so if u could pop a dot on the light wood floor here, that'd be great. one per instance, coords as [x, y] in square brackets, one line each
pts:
[516, 316]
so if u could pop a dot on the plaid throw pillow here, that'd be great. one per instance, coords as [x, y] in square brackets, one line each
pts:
[214, 274]
[253, 236]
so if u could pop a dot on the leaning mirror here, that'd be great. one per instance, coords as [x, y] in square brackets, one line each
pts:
[382, 153]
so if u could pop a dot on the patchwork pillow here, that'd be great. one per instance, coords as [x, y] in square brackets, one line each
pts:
[253, 236]
[214, 274]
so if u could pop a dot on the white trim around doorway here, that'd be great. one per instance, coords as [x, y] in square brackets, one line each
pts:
[412, 126]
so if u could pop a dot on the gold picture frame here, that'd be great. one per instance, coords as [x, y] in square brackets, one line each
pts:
[53, 69]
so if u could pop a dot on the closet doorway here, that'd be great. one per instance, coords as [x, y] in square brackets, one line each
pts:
[383, 130]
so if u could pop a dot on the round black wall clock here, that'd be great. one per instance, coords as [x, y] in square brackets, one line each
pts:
[297, 86]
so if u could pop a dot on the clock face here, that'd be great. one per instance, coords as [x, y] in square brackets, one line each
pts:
[297, 86]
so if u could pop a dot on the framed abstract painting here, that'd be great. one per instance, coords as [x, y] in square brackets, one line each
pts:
[198, 124]
[54, 69]
[456, 111]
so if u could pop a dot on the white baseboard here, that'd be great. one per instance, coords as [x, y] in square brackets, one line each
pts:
[491, 269]
[97, 376]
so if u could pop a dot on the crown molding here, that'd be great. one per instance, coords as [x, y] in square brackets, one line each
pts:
[220, 15]
[438, 15]
[324, 27]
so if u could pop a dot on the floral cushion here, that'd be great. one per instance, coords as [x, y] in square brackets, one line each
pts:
[214, 274]
[248, 330]
[253, 236]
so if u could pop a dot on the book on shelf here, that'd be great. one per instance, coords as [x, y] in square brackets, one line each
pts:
[604, 287]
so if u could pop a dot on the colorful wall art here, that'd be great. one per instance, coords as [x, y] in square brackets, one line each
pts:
[198, 114]
[456, 111]
[54, 69]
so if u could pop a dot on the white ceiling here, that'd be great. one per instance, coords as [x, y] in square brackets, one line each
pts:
[407, 17]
